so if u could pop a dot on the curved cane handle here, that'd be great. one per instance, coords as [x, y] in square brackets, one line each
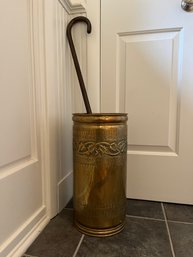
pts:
[75, 59]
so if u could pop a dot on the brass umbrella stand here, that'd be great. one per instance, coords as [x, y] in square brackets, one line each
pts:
[99, 163]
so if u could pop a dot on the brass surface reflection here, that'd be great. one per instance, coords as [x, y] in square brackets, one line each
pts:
[99, 159]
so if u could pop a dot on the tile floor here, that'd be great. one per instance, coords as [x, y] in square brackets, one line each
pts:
[152, 230]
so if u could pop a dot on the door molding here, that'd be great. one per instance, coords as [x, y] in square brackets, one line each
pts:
[73, 6]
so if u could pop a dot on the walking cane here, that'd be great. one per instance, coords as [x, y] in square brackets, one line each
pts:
[75, 59]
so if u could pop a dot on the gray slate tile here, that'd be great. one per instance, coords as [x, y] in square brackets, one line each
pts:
[179, 212]
[142, 208]
[182, 238]
[58, 239]
[140, 238]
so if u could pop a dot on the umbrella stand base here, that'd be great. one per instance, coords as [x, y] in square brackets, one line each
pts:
[99, 232]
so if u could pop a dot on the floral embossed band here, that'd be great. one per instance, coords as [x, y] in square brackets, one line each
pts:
[101, 148]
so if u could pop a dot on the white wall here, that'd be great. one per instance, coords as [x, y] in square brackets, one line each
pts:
[69, 95]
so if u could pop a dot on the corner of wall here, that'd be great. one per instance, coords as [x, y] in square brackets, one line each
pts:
[69, 99]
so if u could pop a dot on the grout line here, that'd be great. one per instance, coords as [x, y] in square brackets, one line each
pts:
[68, 208]
[27, 255]
[168, 230]
[78, 246]
[145, 218]
[180, 222]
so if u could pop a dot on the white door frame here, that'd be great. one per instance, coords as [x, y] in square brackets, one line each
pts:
[42, 82]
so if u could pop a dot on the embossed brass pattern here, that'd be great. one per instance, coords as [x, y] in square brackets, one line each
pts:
[100, 159]
[101, 148]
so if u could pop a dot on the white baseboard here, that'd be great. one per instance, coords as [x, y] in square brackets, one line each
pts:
[18, 242]
[65, 190]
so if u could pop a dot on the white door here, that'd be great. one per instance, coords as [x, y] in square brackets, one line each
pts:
[22, 195]
[147, 71]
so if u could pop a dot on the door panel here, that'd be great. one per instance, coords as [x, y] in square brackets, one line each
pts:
[146, 49]
[149, 90]
[21, 185]
[15, 87]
